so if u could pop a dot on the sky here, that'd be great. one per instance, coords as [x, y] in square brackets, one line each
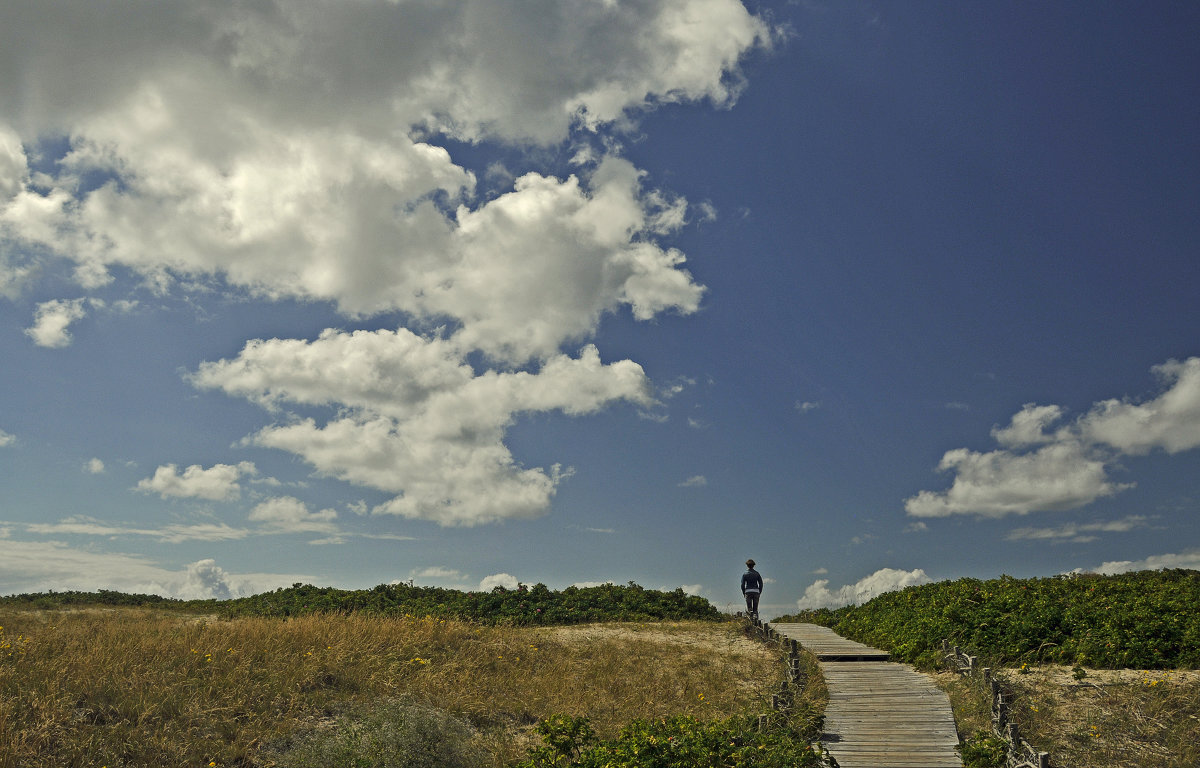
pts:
[479, 292]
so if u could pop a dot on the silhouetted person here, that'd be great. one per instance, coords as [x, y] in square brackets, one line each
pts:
[752, 584]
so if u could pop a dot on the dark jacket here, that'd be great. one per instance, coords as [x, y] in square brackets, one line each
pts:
[751, 580]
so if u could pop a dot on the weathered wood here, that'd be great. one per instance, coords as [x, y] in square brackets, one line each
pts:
[880, 714]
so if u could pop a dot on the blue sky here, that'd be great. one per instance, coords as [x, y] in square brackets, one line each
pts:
[476, 292]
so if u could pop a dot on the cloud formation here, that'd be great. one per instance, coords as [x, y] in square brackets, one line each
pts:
[293, 151]
[217, 483]
[287, 514]
[414, 419]
[1044, 467]
[27, 566]
[52, 320]
[1078, 533]
[819, 595]
[1190, 560]
[287, 150]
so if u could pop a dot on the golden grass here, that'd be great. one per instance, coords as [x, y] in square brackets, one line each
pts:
[136, 687]
[1104, 719]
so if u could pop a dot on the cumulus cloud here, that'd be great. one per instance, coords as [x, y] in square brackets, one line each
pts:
[239, 186]
[416, 420]
[1078, 533]
[695, 481]
[292, 151]
[819, 595]
[1045, 465]
[287, 514]
[51, 321]
[498, 580]
[27, 566]
[94, 467]
[6, 439]
[217, 483]
[1055, 477]
[1170, 422]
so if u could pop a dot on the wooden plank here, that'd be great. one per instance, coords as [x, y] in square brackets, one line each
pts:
[880, 714]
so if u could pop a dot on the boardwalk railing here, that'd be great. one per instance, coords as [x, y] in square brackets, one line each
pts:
[1021, 754]
[796, 679]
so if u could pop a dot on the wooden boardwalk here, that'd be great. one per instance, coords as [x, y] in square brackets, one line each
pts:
[880, 714]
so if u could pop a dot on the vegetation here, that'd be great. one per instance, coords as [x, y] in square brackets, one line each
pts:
[121, 686]
[536, 605]
[1097, 719]
[1143, 620]
[680, 741]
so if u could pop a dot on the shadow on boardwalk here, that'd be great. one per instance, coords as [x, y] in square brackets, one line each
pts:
[881, 714]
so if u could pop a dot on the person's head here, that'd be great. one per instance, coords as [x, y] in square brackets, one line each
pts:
[750, 563]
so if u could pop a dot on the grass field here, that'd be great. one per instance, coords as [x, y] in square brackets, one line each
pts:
[1096, 718]
[140, 687]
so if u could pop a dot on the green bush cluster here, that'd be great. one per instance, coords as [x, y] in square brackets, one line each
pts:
[525, 605]
[1142, 620]
[673, 742]
[393, 734]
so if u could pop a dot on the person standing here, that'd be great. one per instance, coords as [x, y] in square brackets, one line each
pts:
[752, 585]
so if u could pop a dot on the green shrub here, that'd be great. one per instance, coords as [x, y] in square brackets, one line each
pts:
[672, 742]
[1142, 620]
[396, 734]
[983, 751]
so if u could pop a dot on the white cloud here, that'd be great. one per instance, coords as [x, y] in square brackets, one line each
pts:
[217, 483]
[6, 439]
[238, 124]
[691, 589]
[1153, 563]
[416, 420]
[94, 467]
[39, 566]
[498, 580]
[14, 168]
[83, 525]
[695, 481]
[287, 514]
[819, 595]
[51, 320]
[1078, 533]
[806, 406]
[289, 151]
[1043, 467]
[1055, 477]
[1170, 421]
[437, 573]
[1028, 426]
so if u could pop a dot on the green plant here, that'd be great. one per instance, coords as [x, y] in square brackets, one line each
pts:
[393, 734]
[679, 741]
[983, 751]
[1141, 620]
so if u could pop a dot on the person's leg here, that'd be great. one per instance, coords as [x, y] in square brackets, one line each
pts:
[752, 603]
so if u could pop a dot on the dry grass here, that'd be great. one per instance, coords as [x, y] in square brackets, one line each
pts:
[1105, 719]
[143, 688]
